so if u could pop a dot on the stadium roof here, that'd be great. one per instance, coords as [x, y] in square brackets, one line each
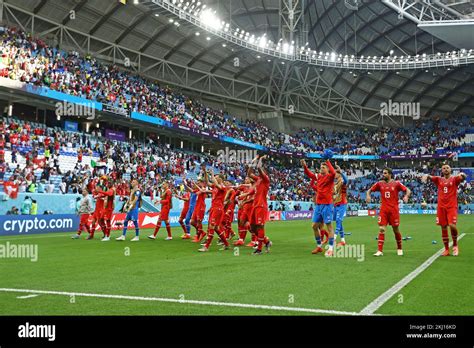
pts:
[372, 29]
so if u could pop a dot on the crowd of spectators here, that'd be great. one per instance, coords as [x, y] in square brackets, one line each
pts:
[31, 60]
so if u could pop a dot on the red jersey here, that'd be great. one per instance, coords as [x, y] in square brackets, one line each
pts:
[200, 200]
[232, 196]
[218, 196]
[261, 190]
[340, 193]
[251, 193]
[187, 196]
[389, 194]
[99, 204]
[109, 200]
[447, 190]
[166, 200]
[324, 184]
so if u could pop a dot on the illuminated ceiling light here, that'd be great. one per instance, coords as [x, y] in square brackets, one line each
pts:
[224, 45]
[171, 20]
[208, 18]
[198, 33]
[208, 38]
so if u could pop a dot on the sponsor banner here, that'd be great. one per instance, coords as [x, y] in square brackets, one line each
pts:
[352, 213]
[147, 220]
[418, 211]
[115, 135]
[242, 143]
[275, 216]
[298, 215]
[345, 157]
[372, 212]
[362, 213]
[115, 110]
[408, 157]
[71, 126]
[33, 224]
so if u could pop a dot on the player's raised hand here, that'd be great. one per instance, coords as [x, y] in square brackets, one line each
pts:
[368, 199]
[405, 199]
[303, 162]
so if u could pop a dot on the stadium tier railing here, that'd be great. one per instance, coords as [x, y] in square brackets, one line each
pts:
[43, 91]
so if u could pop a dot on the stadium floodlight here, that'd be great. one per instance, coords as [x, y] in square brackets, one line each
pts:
[209, 18]
[206, 18]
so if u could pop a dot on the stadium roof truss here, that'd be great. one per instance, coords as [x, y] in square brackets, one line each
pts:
[149, 43]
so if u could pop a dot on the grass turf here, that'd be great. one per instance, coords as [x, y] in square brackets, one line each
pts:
[289, 276]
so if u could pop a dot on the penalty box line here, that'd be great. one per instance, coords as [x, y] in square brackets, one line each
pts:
[387, 295]
[172, 300]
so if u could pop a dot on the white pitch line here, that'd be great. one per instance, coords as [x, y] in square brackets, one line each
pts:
[172, 300]
[28, 296]
[379, 301]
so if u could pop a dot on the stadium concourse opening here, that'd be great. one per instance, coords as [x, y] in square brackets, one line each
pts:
[236, 158]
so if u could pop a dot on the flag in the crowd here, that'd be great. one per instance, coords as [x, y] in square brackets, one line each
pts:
[93, 163]
[11, 189]
[40, 162]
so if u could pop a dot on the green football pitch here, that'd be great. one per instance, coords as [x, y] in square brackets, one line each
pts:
[80, 277]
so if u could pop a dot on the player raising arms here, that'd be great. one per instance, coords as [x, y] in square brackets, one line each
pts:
[107, 212]
[166, 205]
[132, 207]
[389, 210]
[229, 209]
[447, 211]
[199, 210]
[97, 216]
[186, 198]
[340, 204]
[216, 214]
[324, 235]
[245, 202]
[323, 212]
[259, 213]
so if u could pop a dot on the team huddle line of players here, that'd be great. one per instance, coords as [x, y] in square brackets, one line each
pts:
[329, 185]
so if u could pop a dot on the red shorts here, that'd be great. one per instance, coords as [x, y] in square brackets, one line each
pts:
[216, 215]
[447, 216]
[107, 214]
[98, 215]
[165, 214]
[391, 218]
[198, 214]
[244, 213]
[258, 216]
[84, 219]
[184, 212]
